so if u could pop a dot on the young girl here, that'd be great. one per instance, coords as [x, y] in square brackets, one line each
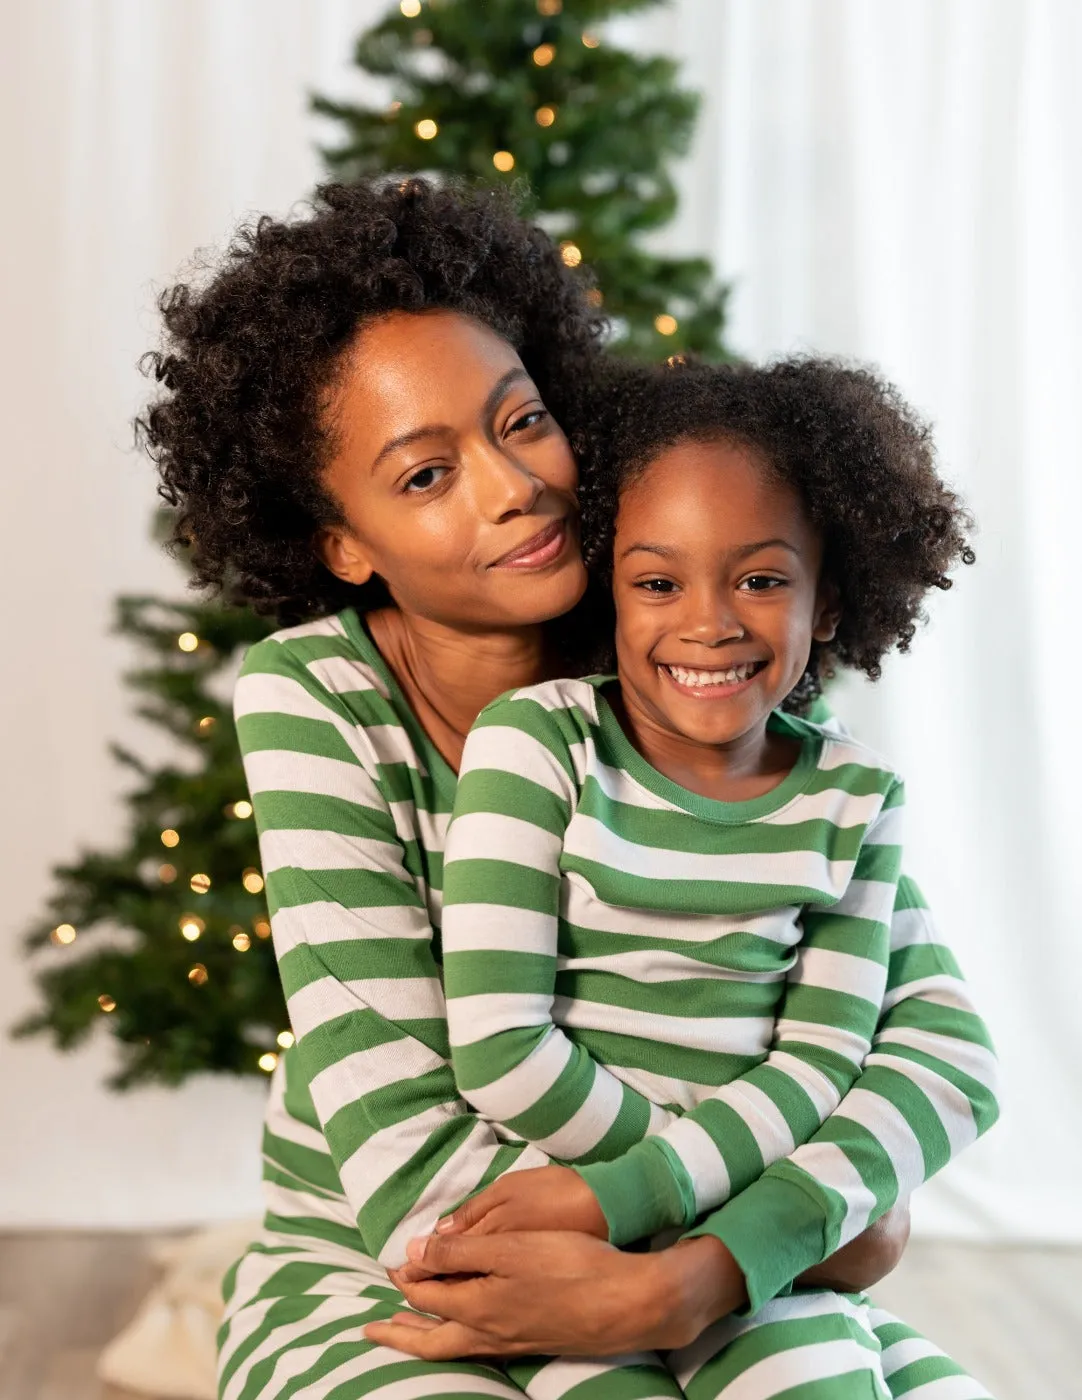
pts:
[668, 895]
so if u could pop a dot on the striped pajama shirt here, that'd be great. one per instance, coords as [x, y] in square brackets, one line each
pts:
[366, 1140]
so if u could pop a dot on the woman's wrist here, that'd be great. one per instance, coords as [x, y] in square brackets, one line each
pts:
[695, 1282]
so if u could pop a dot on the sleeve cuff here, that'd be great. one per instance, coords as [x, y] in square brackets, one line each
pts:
[646, 1190]
[774, 1230]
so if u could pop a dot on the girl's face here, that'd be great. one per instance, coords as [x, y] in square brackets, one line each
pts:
[718, 594]
[457, 486]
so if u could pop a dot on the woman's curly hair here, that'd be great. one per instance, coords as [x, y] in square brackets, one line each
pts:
[239, 433]
[859, 455]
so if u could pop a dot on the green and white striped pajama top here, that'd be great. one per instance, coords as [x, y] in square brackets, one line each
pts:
[367, 1140]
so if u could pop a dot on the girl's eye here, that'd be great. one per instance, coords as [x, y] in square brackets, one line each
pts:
[425, 478]
[761, 583]
[529, 420]
[657, 585]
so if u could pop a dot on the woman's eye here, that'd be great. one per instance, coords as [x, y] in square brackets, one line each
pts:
[656, 585]
[761, 583]
[423, 479]
[529, 420]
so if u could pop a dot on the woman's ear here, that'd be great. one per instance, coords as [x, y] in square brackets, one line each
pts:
[828, 611]
[343, 554]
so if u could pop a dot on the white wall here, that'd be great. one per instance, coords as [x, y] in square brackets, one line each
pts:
[898, 181]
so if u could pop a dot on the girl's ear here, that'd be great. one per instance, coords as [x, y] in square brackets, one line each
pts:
[828, 611]
[343, 554]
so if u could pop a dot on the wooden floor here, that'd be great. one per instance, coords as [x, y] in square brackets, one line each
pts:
[1013, 1316]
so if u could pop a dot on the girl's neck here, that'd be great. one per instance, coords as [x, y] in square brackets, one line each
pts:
[449, 677]
[747, 767]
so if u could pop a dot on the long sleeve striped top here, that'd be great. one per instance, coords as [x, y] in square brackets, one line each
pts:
[366, 1139]
[615, 944]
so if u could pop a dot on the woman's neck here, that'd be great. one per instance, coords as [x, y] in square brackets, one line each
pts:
[449, 677]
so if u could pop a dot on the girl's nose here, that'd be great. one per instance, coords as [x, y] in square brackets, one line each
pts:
[711, 620]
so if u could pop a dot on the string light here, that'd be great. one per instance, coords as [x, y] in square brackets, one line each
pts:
[594, 297]
[187, 641]
[261, 928]
[545, 116]
[191, 926]
[64, 934]
[170, 837]
[544, 54]
[285, 1039]
[167, 873]
[503, 160]
[571, 254]
[241, 809]
[410, 8]
[252, 880]
[674, 361]
[267, 1061]
[106, 1002]
[205, 725]
[548, 8]
[198, 975]
[200, 883]
[241, 941]
[590, 41]
[426, 128]
[666, 324]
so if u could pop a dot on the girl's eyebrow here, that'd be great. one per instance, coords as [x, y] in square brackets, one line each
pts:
[488, 408]
[743, 551]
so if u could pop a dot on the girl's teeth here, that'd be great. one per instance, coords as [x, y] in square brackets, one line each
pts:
[698, 678]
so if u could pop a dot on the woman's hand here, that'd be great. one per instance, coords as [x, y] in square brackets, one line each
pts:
[865, 1260]
[540, 1198]
[556, 1293]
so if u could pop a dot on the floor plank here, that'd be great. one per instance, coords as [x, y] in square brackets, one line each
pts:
[1013, 1316]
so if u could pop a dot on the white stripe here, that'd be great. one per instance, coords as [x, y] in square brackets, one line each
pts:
[763, 1119]
[887, 829]
[704, 1163]
[520, 1088]
[867, 899]
[910, 927]
[366, 1071]
[387, 1149]
[494, 836]
[580, 905]
[966, 1055]
[324, 921]
[905, 1352]
[842, 1042]
[286, 770]
[840, 972]
[888, 1125]
[487, 1014]
[739, 1035]
[510, 750]
[663, 966]
[801, 1365]
[815, 1084]
[941, 989]
[590, 1122]
[291, 1203]
[952, 1107]
[342, 675]
[496, 928]
[312, 851]
[406, 998]
[559, 1376]
[949, 1388]
[842, 809]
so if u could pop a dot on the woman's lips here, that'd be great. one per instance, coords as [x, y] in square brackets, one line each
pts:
[538, 550]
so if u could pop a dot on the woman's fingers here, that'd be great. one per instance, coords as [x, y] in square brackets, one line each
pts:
[459, 1254]
[444, 1341]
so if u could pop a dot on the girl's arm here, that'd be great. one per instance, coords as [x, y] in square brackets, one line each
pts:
[354, 946]
[824, 1029]
[928, 1089]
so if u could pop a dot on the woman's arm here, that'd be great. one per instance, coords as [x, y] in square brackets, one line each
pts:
[928, 1090]
[354, 946]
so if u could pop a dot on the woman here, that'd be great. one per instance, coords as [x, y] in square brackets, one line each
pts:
[357, 428]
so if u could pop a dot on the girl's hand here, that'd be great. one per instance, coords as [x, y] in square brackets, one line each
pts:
[556, 1293]
[540, 1198]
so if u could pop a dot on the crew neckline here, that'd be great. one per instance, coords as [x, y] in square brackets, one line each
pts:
[627, 756]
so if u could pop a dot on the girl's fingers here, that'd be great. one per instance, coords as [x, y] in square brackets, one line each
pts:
[442, 1341]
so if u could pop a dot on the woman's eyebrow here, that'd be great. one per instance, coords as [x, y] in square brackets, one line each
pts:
[492, 402]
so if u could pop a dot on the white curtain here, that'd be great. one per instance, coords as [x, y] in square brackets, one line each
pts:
[898, 181]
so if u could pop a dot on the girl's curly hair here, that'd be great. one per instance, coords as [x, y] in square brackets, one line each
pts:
[860, 456]
[239, 433]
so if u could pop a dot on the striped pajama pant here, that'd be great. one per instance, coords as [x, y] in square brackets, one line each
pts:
[295, 1314]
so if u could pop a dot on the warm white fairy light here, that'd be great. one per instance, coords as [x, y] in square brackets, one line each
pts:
[106, 1002]
[285, 1039]
[187, 641]
[503, 160]
[198, 975]
[167, 873]
[191, 926]
[199, 883]
[206, 724]
[252, 880]
[410, 8]
[170, 837]
[261, 928]
[545, 116]
[549, 7]
[242, 809]
[544, 54]
[64, 934]
[571, 254]
[241, 941]
[590, 41]
[666, 324]
[426, 129]
[267, 1061]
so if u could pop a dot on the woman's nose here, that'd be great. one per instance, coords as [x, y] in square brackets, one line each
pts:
[505, 487]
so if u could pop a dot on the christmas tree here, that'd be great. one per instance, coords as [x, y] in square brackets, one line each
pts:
[180, 966]
[529, 91]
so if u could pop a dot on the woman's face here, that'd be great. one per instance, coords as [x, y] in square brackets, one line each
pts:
[457, 486]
